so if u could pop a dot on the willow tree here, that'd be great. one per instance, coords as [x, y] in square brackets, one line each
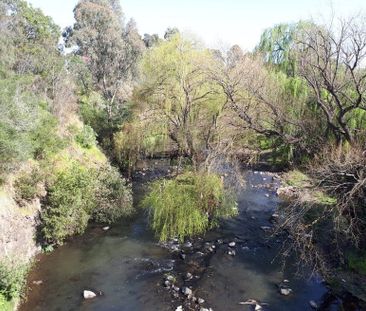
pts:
[177, 92]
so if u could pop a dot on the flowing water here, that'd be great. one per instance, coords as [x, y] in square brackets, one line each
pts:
[127, 266]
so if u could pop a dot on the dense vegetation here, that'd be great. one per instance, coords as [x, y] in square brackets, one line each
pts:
[298, 100]
[188, 205]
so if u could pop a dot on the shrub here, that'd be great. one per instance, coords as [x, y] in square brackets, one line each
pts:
[188, 205]
[12, 280]
[69, 204]
[27, 185]
[44, 137]
[113, 196]
[86, 138]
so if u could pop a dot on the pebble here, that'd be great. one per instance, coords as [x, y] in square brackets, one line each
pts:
[231, 252]
[201, 301]
[188, 244]
[179, 308]
[187, 291]
[285, 291]
[313, 304]
[106, 228]
[87, 294]
[232, 244]
[40, 282]
[189, 276]
[176, 288]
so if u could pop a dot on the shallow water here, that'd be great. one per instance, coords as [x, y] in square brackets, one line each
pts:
[127, 265]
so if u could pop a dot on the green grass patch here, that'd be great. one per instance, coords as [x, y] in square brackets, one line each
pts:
[188, 205]
[324, 199]
[357, 262]
[296, 178]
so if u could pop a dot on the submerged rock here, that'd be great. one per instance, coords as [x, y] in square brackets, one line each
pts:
[106, 228]
[313, 304]
[232, 244]
[285, 291]
[231, 252]
[87, 294]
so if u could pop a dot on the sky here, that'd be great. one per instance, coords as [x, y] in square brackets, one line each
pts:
[218, 23]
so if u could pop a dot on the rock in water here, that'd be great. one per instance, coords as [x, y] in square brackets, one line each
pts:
[87, 294]
[187, 291]
[201, 301]
[232, 244]
[179, 308]
[313, 304]
[285, 291]
[106, 228]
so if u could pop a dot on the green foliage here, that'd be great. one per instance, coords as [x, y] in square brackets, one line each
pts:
[12, 280]
[69, 204]
[86, 138]
[18, 111]
[297, 178]
[44, 138]
[113, 196]
[6, 305]
[188, 205]
[27, 185]
[78, 194]
[357, 262]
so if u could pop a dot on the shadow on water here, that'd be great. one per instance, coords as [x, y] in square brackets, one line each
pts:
[128, 266]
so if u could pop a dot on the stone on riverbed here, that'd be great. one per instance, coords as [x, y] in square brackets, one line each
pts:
[187, 291]
[285, 291]
[201, 301]
[232, 244]
[231, 252]
[87, 294]
[189, 276]
[313, 304]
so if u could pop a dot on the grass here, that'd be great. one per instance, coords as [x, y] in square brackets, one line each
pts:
[298, 179]
[6, 305]
[357, 262]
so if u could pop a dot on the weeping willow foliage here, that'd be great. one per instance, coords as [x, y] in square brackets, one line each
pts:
[188, 205]
[276, 43]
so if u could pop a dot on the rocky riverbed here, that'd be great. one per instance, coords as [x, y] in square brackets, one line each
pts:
[237, 266]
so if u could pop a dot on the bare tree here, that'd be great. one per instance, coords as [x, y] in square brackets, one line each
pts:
[332, 61]
[258, 101]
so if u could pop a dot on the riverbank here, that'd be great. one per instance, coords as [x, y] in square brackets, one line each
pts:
[238, 261]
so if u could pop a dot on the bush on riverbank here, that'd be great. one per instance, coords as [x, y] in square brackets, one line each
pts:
[12, 282]
[188, 205]
[78, 194]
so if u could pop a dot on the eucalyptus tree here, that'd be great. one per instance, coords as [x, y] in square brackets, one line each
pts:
[110, 50]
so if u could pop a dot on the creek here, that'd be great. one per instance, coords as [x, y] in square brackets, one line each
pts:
[128, 267]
